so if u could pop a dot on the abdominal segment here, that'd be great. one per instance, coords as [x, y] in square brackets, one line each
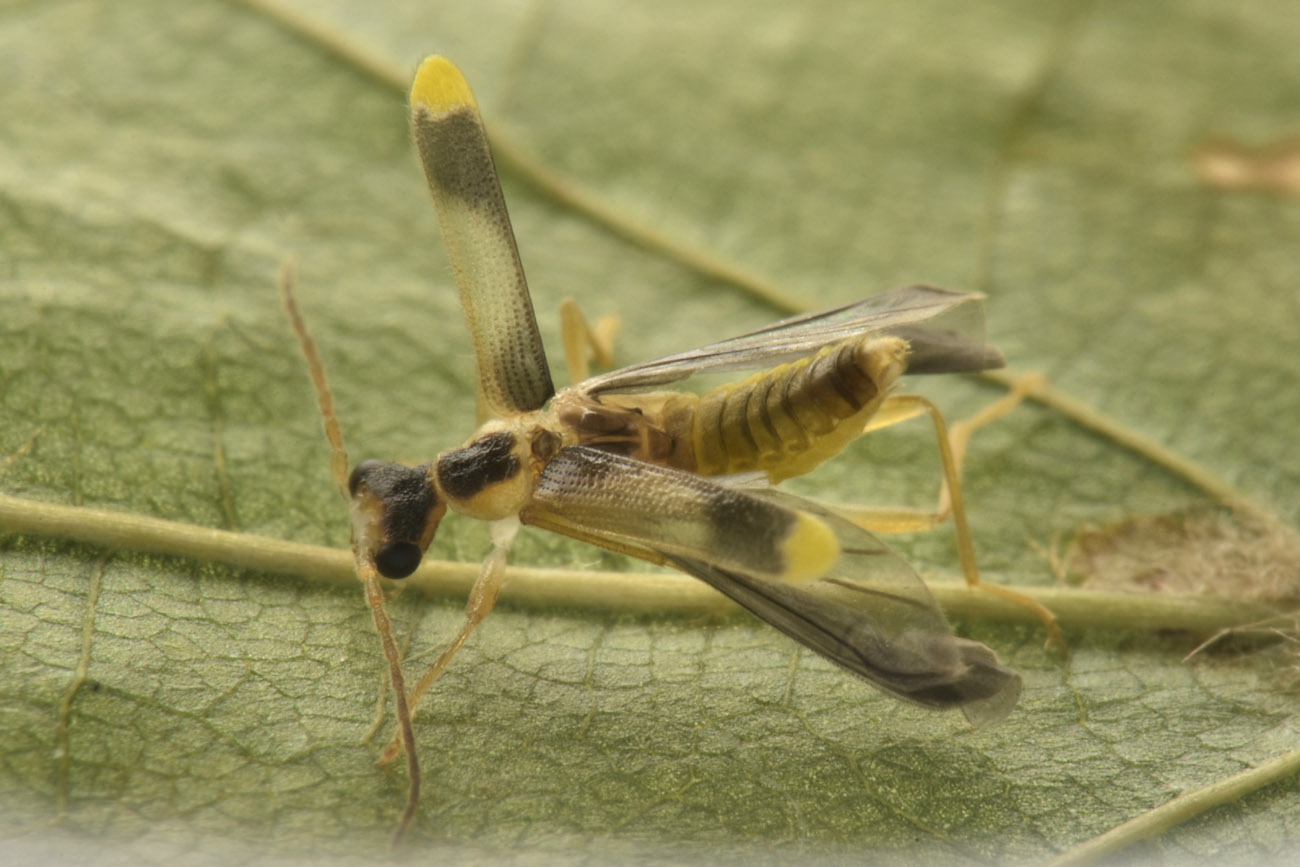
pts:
[789, 419]
[783, 421]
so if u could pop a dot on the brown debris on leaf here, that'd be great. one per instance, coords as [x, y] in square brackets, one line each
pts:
[1205, 552]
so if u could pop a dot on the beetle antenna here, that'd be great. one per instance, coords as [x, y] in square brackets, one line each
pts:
[324, 397]
[369, 578]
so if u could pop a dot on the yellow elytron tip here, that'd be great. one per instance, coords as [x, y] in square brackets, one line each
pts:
[439, 87]
[810, 550]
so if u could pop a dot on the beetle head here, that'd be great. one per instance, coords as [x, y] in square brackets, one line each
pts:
[395, 512]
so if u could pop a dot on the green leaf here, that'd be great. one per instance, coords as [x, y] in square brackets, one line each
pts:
[159, 160]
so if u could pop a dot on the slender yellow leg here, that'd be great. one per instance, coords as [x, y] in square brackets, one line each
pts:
[902, 407]
[959, 433]
[482, 598]
[584, 342]
[952, 451]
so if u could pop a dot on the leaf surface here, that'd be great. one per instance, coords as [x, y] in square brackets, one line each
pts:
[159, 160]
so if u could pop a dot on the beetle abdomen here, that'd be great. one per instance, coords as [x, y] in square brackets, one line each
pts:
[786, 420]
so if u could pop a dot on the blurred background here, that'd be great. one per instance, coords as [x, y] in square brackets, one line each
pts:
[1122, 180]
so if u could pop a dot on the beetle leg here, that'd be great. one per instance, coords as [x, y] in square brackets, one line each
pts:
[482, 597]
[952, 450]
[585, 342]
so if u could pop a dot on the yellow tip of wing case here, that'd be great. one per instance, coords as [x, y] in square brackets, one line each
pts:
[439, 87]
[810, 550]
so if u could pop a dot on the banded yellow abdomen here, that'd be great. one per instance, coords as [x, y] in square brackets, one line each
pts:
[787, 420]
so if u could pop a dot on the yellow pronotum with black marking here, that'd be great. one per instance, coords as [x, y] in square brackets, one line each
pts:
[623, 462]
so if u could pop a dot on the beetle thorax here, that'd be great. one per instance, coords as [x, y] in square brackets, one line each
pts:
[488, 477]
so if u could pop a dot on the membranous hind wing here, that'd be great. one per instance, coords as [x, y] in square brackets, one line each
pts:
[820, 579]
[872, 615]
[944, 328]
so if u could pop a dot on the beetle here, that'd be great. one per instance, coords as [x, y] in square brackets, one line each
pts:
[673, 477]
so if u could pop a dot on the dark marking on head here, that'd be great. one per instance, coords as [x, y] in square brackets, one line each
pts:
[464, 473]
[360, 472]
[408, 501]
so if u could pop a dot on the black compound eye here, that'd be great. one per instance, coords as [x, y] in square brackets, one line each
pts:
[360, 472]
[397, 559]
